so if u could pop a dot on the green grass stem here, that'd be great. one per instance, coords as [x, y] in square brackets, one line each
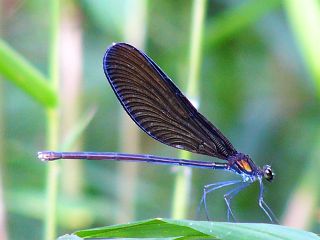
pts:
[183, 178]
[304, 18]
[52, 126]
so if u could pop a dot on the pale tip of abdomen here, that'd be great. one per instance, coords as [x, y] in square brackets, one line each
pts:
[48, 156]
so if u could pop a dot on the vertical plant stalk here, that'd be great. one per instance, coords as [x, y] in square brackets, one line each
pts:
[183, 179]
[3, 231]
[3, 227]
[134, 33]
[52, 126]
[71, 76]
[304, 18]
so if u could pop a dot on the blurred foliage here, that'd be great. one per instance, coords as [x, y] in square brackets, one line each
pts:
[26, 77]
[255, 87]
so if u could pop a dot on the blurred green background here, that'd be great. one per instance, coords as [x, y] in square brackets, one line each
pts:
[259, 83]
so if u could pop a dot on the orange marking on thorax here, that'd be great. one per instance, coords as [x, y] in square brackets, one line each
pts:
[245, 165]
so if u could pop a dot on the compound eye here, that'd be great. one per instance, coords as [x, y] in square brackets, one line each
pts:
[268, 173]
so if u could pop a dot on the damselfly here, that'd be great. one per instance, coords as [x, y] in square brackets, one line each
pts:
[159, 108]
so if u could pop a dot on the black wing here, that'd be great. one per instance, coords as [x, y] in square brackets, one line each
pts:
[157, 105]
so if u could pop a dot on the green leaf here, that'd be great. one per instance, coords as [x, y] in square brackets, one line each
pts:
[185, 229]
[304, 17]
[235, 20]
[21, 73]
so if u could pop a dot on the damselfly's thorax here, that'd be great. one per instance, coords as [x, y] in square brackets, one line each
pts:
[243, 165]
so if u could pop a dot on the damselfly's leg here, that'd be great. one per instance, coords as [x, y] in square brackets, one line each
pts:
[264, 206]
[210, 188]
[229, 195]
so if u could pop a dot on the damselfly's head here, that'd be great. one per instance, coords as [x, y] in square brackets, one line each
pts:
[268, 174]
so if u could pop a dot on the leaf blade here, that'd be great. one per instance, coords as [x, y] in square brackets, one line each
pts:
[186, 229]
[25, 76]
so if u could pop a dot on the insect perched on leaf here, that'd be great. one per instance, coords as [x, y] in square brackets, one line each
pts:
[159, 108]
